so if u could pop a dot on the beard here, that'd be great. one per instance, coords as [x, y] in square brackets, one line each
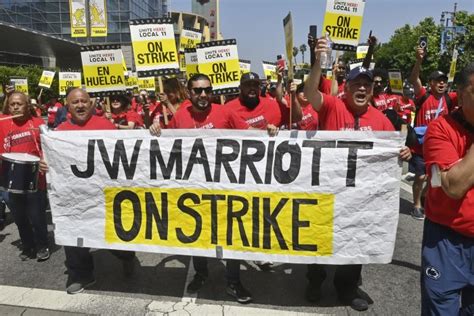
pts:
[250, 102]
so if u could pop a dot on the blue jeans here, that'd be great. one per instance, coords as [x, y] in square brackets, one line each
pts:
[29, 213]
[447, 271]
[232, 272]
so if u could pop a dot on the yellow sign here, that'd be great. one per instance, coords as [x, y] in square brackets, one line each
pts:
[46, 79]
[182, 61]
[98, 15]
[147, 83]
[131, 80]
[102, 68]
[77, 11]
[288, 26]
[264, 222]
[245, 66]
[343, 21]
[362, 51]
[220, 61]
[270, 71]
[396, 81]
[189, 38]
[20, 84]
[192, 66]
[452, 68]
[154, 47]
[68, 80]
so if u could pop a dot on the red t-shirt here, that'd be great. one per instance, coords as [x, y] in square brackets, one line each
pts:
[385, 101]
[129, 116]
[266, 112]
[218, 116]
[94, 123]
[404, 109]
[52, 110]
[309, 121]
[427, 111]
[325, 86]
[335, 115]
[23, 137]
[446, 142]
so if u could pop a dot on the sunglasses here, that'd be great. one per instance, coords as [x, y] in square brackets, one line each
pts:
[207, 90]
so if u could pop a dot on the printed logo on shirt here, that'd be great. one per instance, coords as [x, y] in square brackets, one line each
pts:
[258, 122]
[206, 126]
[432, 273]
[350, 127]
[13, 140]
[306, 120]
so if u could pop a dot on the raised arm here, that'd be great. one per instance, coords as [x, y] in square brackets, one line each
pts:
[296, 112]
[279, 87]
[372, 41]
[311, 89]
[415, 73]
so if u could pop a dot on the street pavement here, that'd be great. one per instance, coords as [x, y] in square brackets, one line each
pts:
[158, 284]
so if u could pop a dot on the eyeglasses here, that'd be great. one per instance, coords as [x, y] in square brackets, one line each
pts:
[378, 81]
[207, 90]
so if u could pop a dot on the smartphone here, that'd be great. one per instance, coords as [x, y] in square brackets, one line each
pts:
[280, 61]
[423, 42]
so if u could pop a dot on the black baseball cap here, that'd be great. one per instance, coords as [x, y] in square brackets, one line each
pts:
[250, 76]
[360, 71]
[436, 75]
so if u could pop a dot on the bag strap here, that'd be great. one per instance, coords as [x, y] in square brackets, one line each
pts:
[440, 105]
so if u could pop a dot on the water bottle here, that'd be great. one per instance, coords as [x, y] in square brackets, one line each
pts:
[326, 57]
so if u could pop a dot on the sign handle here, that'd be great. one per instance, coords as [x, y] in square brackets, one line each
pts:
[39, 95]
[165, 109]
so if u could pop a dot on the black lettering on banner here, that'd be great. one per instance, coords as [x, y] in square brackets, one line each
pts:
[270, 155]
[317, 145]
[247, 160]
[224, 77]
[342, 28]
[90, 162]
[155, 47]
[156, 55]
[152, 214]
[175, 159]
[297, 224]
[103, 81]
[270, 222]
[198, 147]
[352, 158]
[255, 222]
[122, 196]
[185, 239]
[225, 159]
[120, 155]
[214, 220]
[238, 216]
[103, 71]
[287, 176]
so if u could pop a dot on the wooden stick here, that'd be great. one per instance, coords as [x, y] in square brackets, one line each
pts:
[165, 109]
[222, 98]
[39, 95]
[10, 117]
[107, 105]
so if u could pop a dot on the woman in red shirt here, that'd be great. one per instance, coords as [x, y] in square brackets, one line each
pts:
[171, 100]
[121, 115]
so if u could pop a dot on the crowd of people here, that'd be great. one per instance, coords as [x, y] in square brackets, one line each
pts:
[441, 159]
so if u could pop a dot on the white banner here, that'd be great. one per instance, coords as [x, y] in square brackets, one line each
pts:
[325, 197]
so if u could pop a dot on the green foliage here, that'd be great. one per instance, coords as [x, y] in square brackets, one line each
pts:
[33, 73]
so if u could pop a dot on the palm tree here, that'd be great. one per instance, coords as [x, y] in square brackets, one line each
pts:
[295, 52]
[303, 50]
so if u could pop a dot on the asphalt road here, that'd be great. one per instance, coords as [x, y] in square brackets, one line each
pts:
[393, 288]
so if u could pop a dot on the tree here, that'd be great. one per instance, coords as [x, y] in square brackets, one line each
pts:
[303, 50]
[295, 53]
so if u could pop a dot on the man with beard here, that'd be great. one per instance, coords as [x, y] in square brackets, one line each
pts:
[201, 113]
[353, 112]
[429, 106]
[79, 261]
[259, 112]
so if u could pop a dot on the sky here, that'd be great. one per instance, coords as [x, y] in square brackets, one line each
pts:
[258, 24]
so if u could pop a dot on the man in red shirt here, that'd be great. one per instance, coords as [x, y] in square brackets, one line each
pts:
[260, 112]
[448, 237]
[382, 100]
[79, 261]
[429, 106]
[21, 135]
[353, 112]
[201, 113]
[52, 108]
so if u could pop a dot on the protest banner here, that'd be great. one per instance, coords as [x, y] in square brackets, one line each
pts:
[270, 71]
[98, 18]
[343, 23]
[358, 63]
[154, 47]
[189, 38]
[102, 68]
[68, 80]
[452, 67]
[77, 11]
[396, 81]
[147, 83]
[131, 80]
[46, 79]
[245, 66]
[326, 197]
[288, 27]
[361, 51]
[220, 61]
[192, 66]
[20, 84]
[124, 66]
[182, 61]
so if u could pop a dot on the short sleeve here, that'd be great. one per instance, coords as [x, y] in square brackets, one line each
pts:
[438, 147]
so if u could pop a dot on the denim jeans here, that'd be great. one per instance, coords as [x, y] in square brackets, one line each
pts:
[232, 272]
[29, 213]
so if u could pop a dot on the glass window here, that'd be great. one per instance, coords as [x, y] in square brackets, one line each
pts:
[52, 7]
[112, 5]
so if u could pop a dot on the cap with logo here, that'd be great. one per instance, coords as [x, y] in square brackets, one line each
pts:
[249, 76]
[360, 71]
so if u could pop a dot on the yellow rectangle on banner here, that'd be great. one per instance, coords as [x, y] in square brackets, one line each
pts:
[66, 84]
[110, 75]
[343, 27]
[46, 81]
[187, 42]
[146, 83]
[182, 62]
[265, 222]
[22, 88]
[223, 72]
[152, 53]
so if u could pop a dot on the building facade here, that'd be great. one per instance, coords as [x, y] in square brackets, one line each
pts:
[52, 17]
